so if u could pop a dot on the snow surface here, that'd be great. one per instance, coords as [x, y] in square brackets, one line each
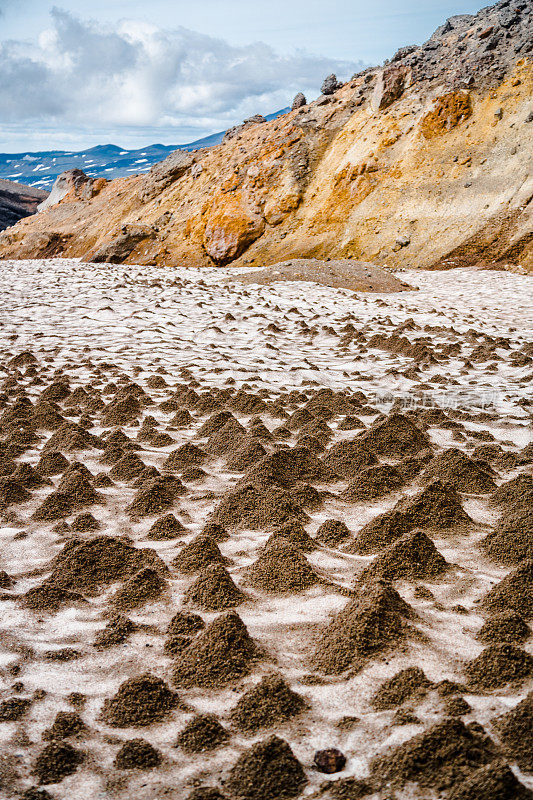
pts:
[67, 312]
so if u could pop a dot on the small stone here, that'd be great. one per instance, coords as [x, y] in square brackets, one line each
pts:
[330, 761]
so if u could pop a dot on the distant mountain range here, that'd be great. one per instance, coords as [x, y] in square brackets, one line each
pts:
[40, 169]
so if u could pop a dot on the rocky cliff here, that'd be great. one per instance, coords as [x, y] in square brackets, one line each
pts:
[18, 201]
[424, 161]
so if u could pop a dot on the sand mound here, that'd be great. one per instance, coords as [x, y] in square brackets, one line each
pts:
[48, 597]
[346, 789]
[497, 665]
[493, 782]
[28, 477]
[340, 273]
[394, 437]
[121, 411]
[215, 531]
[137, 754]
[402, 686]
[56, 392]
[206, 793]
[192, 474]
[227, 439]
[269, 770]
[266, 704]
[346, 459]
[512, 540]
[437, 506]
[412, 557]
[333, 532]
[166, 527]
[115, 632]
[56, 761]
[185, 623]
[118, 438]
[201, 734]
[128, 467]
[84, 523]
[280, 568]
[89, 566]
[214, 590]
[514, 592]
[516, 493]
[185, 456]
[294, 534]
[139, 701]
[181, 419]
[250, 507]
[284, 468]
[514, 729]
[221, 653]
[156, 496]
[11, 492]
[372, 621]
[71, 437]
[441, 757]
[249, 453]
[144, 587]
[306, 496]
[74, 491]
[373, 482]
[14, 708]
[65, 724]
[215, 423]
[199, 554]
[52, 463]
[505, 627]
[463, 473]
[146, 477]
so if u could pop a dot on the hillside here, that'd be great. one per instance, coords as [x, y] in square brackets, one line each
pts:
[18, 201]
[422, 162]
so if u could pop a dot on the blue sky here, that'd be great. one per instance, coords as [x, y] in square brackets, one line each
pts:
[74, 73]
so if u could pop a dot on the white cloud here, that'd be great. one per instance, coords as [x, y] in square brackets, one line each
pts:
[83, 75]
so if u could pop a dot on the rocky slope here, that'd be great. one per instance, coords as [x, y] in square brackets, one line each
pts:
[18, 201]
[422, 162]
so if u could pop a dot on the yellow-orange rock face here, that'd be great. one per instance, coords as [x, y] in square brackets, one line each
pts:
[231, 227]
[449, 111]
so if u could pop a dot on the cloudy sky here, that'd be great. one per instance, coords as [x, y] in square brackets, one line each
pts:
[81, 73]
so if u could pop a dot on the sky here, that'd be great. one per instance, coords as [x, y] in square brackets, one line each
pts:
[75, 73]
